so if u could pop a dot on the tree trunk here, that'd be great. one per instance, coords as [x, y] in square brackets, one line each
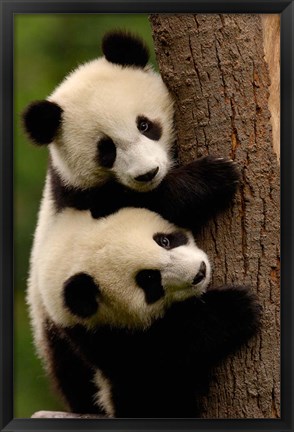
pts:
[215, 67]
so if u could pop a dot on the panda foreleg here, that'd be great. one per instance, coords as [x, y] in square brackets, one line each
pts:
[230, 316]
[202, 331]
[191, 194]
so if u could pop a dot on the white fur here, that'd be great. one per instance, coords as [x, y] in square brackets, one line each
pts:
[100, 99]
[139, 159]
[113, 250]
[103, 397]
[46, 220]
[103, 99]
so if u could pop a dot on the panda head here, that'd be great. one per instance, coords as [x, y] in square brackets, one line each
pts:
[111, 117]
[124, 270]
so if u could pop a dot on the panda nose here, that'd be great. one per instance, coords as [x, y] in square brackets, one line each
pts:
[201, 274]
[148, 176]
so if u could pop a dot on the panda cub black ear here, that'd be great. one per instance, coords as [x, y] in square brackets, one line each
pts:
[42, 120]
[125, 49]
[80, 293]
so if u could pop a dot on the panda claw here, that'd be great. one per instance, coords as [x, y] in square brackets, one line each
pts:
[228, 160]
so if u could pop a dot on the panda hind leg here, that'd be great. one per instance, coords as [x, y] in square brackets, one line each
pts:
[70, 375]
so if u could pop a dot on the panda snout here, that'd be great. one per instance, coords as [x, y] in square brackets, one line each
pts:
[201, 274]
[147, 176]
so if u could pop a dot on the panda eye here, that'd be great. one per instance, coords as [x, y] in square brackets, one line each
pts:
[172, 240]
[150, 129]
[143, 126]
[162, 241]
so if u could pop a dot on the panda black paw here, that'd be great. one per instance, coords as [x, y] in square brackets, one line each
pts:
[218, 180]
[238, 306]
[220, 173]
[192, 194]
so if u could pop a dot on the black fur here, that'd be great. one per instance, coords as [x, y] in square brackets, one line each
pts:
[67, 196]
[151, 129]
[150, 282]
[42, 120]
[106, 152]
[164, 371]
[175, 239]
[125, 49]
[80, 295]
[70, 373]
[188, 196]
[201, 274]
[147, 176]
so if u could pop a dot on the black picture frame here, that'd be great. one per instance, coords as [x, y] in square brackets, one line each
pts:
[8, 9]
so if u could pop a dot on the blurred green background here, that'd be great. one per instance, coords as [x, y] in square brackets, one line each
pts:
[46, 48]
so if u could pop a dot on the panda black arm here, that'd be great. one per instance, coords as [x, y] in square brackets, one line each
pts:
[188, 196]
[191, 194]
[204, 329]
[212, 327]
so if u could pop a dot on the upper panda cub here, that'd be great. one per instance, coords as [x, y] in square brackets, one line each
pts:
[109, 129]
[122, 317]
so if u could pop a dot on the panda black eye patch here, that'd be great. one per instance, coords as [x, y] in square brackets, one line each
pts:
[148, 128]
[150, 282]
[106, 152]
[80, 294]
[171, 241]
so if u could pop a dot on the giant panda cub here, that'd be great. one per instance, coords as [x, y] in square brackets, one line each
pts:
[109, 129]
[123, 318]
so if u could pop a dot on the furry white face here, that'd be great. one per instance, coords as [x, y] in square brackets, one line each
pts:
[116, 121]
[123, 270]
[108, 120]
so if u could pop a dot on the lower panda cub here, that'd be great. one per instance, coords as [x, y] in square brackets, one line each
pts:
[123, 318]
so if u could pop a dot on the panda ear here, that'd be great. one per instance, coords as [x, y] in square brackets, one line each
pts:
[41, 120]
[80, 293]
[125, 49]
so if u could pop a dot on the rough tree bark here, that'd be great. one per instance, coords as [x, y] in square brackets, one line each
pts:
[215, 66]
